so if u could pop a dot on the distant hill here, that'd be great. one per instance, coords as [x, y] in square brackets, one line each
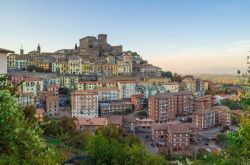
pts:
[219, 78]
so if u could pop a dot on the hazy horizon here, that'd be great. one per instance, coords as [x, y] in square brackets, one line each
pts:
[180, 36]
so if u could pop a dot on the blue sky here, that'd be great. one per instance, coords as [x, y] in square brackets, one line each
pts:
[180, 35]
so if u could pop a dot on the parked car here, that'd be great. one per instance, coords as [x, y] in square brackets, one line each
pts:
[152, 145]
[146, 136]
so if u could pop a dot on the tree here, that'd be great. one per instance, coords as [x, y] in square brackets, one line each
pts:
[231, 104]
[109, 146]
[110, 132]
[142, 114]
[167, 74]
[238, 150]
[29, 112]
[63, 91]
[21, 143]
[201, 153]
[177, 77]
[67, 125]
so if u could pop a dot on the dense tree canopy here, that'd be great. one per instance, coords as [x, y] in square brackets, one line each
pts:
[20, 142]
[109, 146]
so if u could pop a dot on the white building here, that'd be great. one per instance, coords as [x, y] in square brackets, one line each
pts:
[126, 89]
[31, 85]
[84, 104]
[171, 87]
[3, 60]
[106, 94]
[22, 62]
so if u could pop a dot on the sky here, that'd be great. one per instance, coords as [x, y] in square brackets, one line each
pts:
[184, 36]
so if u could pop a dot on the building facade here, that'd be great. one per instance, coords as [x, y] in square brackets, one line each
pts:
[84, 104]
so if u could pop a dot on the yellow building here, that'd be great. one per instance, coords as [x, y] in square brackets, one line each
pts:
[85, 67]
[11, 61]
[40, 115]
[115, 69]
[63, 67]
[69, 81]
[157, 80]
[45, 65]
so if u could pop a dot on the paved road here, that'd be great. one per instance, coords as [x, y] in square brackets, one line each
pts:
[147, 142]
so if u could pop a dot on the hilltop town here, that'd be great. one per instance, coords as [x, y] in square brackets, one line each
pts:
[98, 84]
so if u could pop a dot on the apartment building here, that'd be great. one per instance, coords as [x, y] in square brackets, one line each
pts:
[31, 85]
[89, 85]
[115, 106]
[166, 106]
[52, 106]
[171, 87]
[50, 81]
[53, 89]
[39, 115]
[3, 60]
[25, 99]
[178, 137]
[74, 65]
[175, 136]
[204, 102]
[126, 89]
[203, 118]
[11, 61]
[68, 81]
[139, 102]
[107, 94]
[22, 62]
[222, 115]
[84, 103]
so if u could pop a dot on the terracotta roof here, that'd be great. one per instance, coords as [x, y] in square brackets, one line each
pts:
[115, 119]
[202, 111]
[221, 108]
[24, 94]
[159, 126]
[90, 82]
[107, 89]
[178, 128]
[33, 79]
[84, 92]
[129, 119]
[91, 121]
[40, 110]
